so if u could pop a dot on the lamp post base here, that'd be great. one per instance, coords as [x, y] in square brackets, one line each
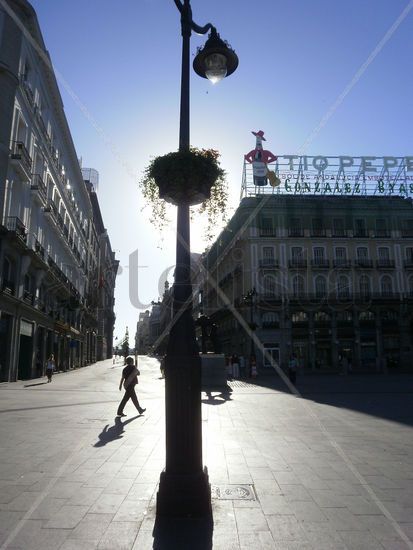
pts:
[184, 495]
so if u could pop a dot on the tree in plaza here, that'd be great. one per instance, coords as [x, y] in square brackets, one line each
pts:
[125, 344]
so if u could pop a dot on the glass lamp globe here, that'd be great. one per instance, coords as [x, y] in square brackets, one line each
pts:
[215, 67]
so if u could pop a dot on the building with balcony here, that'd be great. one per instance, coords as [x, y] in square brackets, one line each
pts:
[103, 269]
[51, 249]
[324, 276]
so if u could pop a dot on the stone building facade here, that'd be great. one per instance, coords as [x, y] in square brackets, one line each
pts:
[50, 244]
[324, 277]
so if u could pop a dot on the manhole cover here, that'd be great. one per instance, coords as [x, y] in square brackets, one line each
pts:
[233, 492]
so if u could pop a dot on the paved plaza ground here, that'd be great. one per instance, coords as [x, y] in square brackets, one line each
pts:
[331, 468]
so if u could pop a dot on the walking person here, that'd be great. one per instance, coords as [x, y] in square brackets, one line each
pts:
[129, 380]
[50, 367]
[235, 365]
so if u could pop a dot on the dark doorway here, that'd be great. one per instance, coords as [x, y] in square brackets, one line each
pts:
[5, 339]
[25, 357]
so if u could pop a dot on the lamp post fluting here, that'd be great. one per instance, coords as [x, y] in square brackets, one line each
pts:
[184, 487]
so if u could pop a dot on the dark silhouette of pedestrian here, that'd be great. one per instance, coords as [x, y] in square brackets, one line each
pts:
[50, 367]
[129, 380]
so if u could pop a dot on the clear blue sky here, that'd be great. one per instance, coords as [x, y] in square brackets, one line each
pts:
[122, 60]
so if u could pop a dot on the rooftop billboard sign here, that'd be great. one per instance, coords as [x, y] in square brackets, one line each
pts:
[266, 173]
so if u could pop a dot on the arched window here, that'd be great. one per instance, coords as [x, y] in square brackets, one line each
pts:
[386, 285]
[343, 287]
[298, 285]
[270, 319]
[366, 315]
[299, 317]
[8, 276]
[322, 317]
[364, 285]
[320, 286]
[269, 285]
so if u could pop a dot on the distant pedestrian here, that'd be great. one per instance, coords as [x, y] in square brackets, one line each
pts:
[162, 366]
[235, 365]
[228, 363]
[292, 368]
[50, 367]
[242, 366]
[129, 380]
[253, 366]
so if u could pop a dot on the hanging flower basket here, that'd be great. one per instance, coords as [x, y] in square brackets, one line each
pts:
[185, 177]
[189, 177]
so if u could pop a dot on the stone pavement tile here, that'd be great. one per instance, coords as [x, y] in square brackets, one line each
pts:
[21, 503]
[72, 544]
[286, 528]
[359, 505]
[259, 541]
[240, 479]
[250, 520]
[8, 521]
[144, 540]
[313, 482]
[91, 464]
[291, 545]
[383, 482]
[342, 519]
[32, 536]
[224, 539]
[132, 510]
[397, 545]
[343, 487]
[99, 480]
[109, 468]
[107, 504]
[327, 498]
[119, 535]
[48, 507]
[64, 489]
[260, 473]
[399, 512]
[118, 486]
[361, 540]
[246, 504]
[223, 515]
[86, 496]
[286, 478]
[256, 462]
[384, 530]
[67, 517]
[322, 537]
[295, 492]
[146, 476]
[81, 476]
[9, 492]
[275, 504]
[142, 491]
[307, 511]
[128, 472]
[267, 487]
[91, 528]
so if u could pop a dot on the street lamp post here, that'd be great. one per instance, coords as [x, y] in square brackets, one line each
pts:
[184, 489]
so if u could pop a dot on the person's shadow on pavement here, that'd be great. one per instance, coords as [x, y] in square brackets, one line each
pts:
[114, 432]
[218, 398]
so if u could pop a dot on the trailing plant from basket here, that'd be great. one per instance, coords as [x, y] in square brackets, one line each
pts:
[194, 177]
